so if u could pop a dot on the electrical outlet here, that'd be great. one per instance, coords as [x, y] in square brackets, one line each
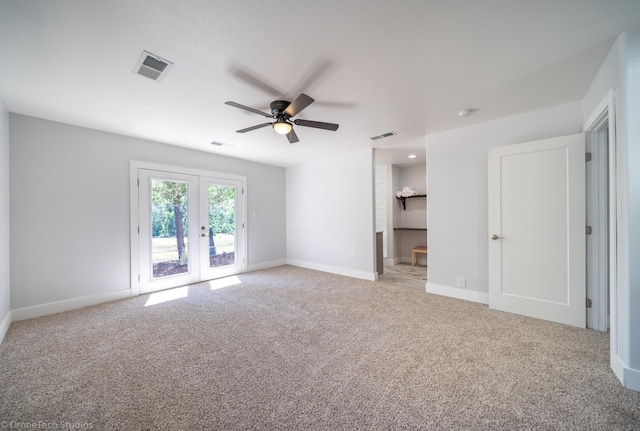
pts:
[462, 282]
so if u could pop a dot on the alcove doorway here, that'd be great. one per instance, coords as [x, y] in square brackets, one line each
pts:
[402, 221]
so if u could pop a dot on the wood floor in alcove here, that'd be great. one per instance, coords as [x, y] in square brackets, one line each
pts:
[404, 273]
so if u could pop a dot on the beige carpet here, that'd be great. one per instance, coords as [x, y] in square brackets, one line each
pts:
[295, 349]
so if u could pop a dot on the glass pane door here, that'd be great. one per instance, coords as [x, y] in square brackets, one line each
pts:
[191, 228]
[168, 217]
[169, 227]
[223, 228]
[222, 225]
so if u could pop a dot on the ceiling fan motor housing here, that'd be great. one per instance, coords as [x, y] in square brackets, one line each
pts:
[278, 107]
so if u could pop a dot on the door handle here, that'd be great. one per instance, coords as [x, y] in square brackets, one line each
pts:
[496, 237]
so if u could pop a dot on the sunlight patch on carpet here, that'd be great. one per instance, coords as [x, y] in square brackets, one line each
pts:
[221, 283]
[167, 295]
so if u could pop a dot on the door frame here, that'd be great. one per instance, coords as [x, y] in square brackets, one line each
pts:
[134, 166]
[604, 115]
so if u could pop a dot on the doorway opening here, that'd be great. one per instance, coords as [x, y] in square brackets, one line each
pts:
[401, 223]
[597, 198]
[601, 213]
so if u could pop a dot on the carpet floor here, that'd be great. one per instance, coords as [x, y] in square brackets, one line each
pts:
[293, 349]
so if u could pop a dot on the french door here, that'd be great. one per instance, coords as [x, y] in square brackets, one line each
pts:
[190, 228]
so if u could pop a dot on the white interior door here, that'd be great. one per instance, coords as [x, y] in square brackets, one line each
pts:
[190, 228]
[537, 229]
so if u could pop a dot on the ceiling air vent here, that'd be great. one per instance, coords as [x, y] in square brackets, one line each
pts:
[151, 66]
[221, 144]
[384, 135]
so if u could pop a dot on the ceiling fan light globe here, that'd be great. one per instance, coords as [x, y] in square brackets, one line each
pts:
[282, 127]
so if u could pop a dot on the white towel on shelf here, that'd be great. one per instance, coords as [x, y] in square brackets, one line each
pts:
[398, 194]
[408, 191]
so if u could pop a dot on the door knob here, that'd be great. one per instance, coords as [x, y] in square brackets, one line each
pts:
[495, 237]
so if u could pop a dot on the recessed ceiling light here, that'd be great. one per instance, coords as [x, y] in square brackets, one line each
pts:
[412, 156]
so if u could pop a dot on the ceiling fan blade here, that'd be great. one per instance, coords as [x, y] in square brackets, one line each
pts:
[292, 137]
[246, 108]
[244, 74]
[317, 124]
[315, 74]
[259, 126]
[300, 102]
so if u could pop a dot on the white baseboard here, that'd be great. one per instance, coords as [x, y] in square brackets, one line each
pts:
[629, 377]
[372, 276]
[67, 305]
[4, 326]
[265, 265]
[456, 292]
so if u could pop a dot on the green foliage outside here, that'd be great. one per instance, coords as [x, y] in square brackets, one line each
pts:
[164, 195]
[167, 195]
[222, 210]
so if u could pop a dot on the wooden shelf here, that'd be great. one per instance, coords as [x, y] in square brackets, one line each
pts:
[403, 199]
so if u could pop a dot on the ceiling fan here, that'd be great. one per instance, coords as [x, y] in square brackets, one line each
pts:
[282, 111]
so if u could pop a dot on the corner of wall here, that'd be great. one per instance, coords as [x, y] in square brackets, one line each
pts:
[5, 231]
[4, 326]
[458, 293]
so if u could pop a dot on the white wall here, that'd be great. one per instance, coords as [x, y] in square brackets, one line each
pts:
[70, 208]
[330, 215]
[457, 191]
[5, 317]
[621, 71]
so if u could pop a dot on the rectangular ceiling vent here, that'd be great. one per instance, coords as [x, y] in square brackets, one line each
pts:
[384, 135]
[151, 66]
[221, 144]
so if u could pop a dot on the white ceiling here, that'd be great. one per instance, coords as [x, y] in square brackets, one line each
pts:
[373, 66]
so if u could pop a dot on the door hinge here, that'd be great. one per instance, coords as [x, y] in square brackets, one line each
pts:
[138, 278]
[589, 303]
[588, 157]
[589, 230]
[242, 225]
[138, 180]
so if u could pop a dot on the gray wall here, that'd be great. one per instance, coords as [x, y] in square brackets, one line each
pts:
[330, 215]
[457, 172]
[70, 216]
[4, 220]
